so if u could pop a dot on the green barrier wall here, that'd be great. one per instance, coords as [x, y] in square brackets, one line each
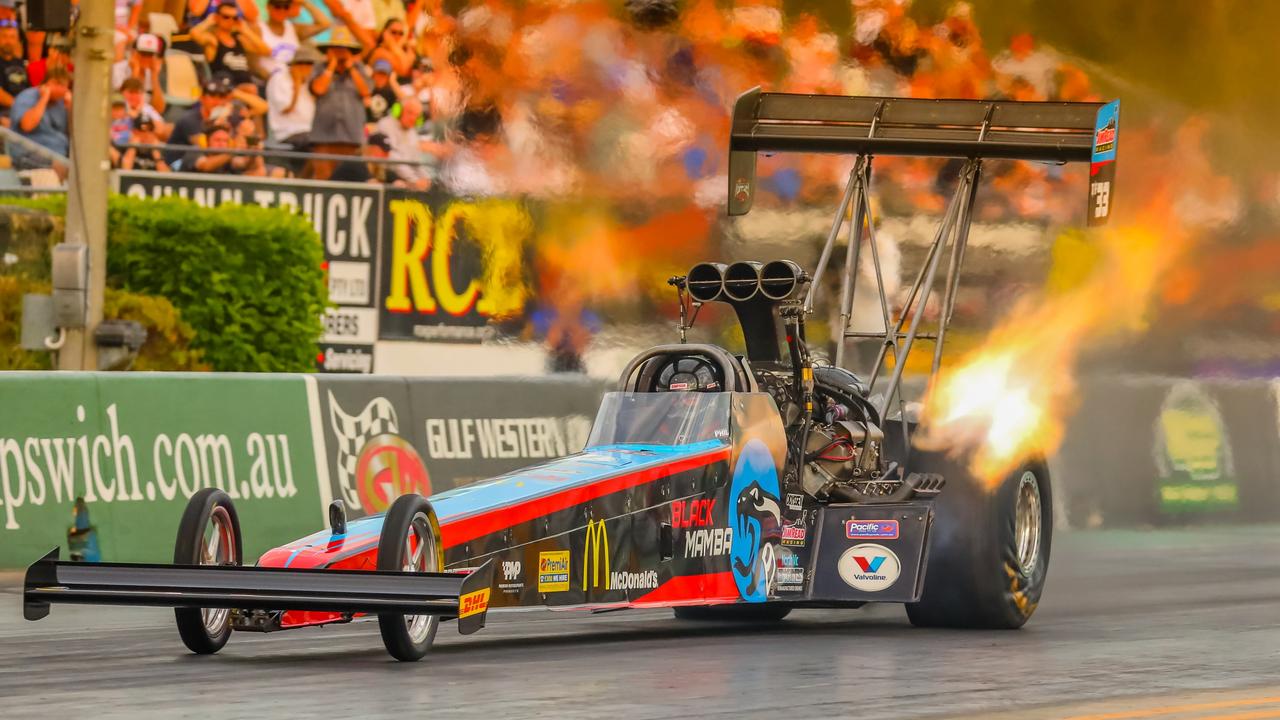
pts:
[136, 446]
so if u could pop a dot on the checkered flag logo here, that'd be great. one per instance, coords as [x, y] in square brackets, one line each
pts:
[353, 431]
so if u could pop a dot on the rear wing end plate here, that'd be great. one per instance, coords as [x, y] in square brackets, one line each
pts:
[465, 596]
[1058, 132]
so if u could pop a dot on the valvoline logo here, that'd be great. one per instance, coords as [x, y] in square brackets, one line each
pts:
[855, 529]
[869, 567]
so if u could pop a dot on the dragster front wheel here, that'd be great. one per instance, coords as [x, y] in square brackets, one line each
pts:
[410, 542]
[209, 534]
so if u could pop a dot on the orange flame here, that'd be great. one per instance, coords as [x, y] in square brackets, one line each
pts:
[1007, 401]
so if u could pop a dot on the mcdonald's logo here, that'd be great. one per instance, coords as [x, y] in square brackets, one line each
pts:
[597, 537]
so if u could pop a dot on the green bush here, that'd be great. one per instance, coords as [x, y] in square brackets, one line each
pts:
[249, 280]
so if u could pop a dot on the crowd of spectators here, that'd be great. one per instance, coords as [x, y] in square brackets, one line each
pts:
[511, 97]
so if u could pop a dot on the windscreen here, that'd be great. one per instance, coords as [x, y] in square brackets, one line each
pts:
[669, 418]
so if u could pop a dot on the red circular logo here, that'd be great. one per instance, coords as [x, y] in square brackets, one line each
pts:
[388, 468]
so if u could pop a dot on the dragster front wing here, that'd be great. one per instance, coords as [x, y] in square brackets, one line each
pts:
[464, 596]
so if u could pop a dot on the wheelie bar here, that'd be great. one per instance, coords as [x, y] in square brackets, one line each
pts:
[465, 596]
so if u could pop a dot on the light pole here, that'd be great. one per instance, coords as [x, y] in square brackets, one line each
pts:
[90, 177]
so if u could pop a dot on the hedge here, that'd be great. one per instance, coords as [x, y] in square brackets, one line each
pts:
[248, 280]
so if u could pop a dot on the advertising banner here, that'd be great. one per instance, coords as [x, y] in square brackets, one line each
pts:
[347, 216]
[450, 265]
[386, 437]
[136, 446]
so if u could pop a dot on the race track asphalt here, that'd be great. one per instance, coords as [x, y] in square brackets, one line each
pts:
[1160, 624]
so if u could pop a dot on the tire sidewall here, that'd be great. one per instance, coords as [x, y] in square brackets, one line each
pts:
[186, 549]
[395, 527]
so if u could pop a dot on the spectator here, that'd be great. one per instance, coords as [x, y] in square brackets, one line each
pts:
[227, 41]
[144, 66]
[291, 104]
[13, 67]
[341, 87]
[284, 35]
[40, 114]
[395, 46]
[401, 129]
[136, 107]
[59, 55]
[385, 93]
[190, 126]
[218, 137]
[365, 172]
[144, 133]
[120, 124]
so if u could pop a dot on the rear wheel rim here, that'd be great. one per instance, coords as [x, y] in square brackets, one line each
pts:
[217, 547]
[420, 556]
[1027, 522]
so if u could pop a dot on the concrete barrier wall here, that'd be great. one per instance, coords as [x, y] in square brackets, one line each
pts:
[135, 446]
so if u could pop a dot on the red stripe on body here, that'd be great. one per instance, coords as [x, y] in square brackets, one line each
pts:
[707, 589]
[467, 529]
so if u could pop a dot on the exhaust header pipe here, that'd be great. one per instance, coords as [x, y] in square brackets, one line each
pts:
[705, 281]
[742, 280]
[780, 279]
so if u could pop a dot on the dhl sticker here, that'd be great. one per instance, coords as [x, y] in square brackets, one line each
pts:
[473, 603]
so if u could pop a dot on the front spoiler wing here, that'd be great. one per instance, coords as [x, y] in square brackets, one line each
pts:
[464, 596]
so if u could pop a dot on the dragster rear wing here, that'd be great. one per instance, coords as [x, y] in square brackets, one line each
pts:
[464, 596]
[1058, 132]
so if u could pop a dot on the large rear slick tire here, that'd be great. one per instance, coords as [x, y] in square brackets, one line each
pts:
[741, 612]
[410, 542]
[989, 551]
[209, 534]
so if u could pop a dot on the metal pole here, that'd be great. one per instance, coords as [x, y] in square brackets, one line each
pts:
[850, 282]
[943, 231]
[970, 174]
[831, 241]
[90, 170]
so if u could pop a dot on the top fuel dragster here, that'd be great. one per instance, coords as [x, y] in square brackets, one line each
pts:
[721, 485]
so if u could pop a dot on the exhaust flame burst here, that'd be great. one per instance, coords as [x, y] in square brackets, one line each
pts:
[1007, 401]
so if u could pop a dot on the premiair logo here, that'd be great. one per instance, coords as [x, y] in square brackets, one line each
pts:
[869, 567]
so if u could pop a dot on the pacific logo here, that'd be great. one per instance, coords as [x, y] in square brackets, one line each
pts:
[871, 529]
[869, 567]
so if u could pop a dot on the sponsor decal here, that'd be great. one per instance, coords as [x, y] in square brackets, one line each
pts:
[553, 571]
[349, 283]
[594, 558]
[473, 603]
[856, 529]
[741, 189]
[793, 535]
[708, 542]
[512, 576]
[595, 565]
[790, 579]
[692, 513]
[387, 468]
[1104, 140]
[795, 501]
[350, 326]
[756, 516]
[528, 438]
[644, 580]
[345, 358]
[1194, 465]
[869, 567]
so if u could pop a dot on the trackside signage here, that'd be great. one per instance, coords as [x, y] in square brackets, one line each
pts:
[137, 446]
